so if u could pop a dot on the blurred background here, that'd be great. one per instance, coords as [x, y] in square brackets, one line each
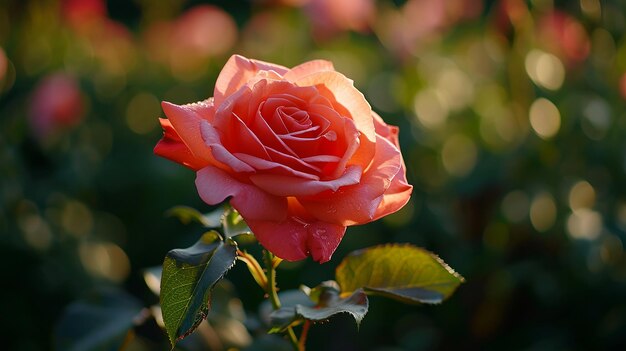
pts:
[513, 128]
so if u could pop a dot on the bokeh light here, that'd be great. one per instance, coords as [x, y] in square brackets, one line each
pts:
[545, 69]
[545, 118]
[105, 260]
[459, 155]
[543, 211]
[584, 224]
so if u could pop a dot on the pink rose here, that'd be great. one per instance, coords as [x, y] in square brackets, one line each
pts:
[299, 152]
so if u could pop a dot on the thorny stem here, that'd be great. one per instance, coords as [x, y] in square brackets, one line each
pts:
[273, 296]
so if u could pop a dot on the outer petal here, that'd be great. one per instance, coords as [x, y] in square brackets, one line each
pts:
[294, 239]
[396, 196]
[385, 130]
[186, 120]
[172, 148]
[399, 191]
[298, 186]
[214, 186]
[212, 140]
[357, 204]
[307, 68]
[237, 72]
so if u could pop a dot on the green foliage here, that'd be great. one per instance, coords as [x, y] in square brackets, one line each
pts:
[402, 272]
[233, 224]
[189, 276]
[100, 322]
[226, 217]
[188, 214]
[326, 303]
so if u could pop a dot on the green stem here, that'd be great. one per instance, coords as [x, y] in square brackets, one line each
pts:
[273, 296]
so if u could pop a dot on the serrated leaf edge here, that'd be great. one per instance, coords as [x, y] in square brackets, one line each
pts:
[208, 302]
[367, 289]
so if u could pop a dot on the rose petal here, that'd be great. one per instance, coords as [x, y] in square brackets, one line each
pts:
[292, 186]
[295, 239]
[172, 148]
[237, 72]
[185, 119]
[212, 139]
[396, 196]
[336, 136]
[352, 102]
[384, 130]
[358, 204]
[295, 162]
[321, 158]
[278, 169]
[307, 68]
[268, 136]
[399, 191]
[245, 140]
[214, 186]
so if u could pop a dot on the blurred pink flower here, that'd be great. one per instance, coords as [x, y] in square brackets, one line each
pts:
[330, 17]
[421, 21]
[56, 105]
[564, 36]
[186, 43]
[622, 86]
[206, 30]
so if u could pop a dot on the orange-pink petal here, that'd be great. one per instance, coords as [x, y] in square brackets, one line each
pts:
[295, 239]
[352, 101]
[185, 119]
[237, 72]
[307, 68]
[214, 186]
[358, 204]
[281, 185]
[172, 148]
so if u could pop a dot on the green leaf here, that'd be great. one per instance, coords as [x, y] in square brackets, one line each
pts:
[100, 322]
[189, 276]
[402, 272]
[187, 215]
[233, 224]
[329, 304]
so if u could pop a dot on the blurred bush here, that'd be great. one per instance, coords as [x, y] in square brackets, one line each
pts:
[513, 127]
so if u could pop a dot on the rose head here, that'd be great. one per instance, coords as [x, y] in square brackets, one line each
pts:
[299, 152]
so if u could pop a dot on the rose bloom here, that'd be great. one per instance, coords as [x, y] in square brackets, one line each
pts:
[299, 152]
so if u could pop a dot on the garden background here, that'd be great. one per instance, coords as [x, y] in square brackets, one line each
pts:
[512, 124]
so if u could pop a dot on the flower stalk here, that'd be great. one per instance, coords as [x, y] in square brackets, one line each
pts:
[272, 294]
